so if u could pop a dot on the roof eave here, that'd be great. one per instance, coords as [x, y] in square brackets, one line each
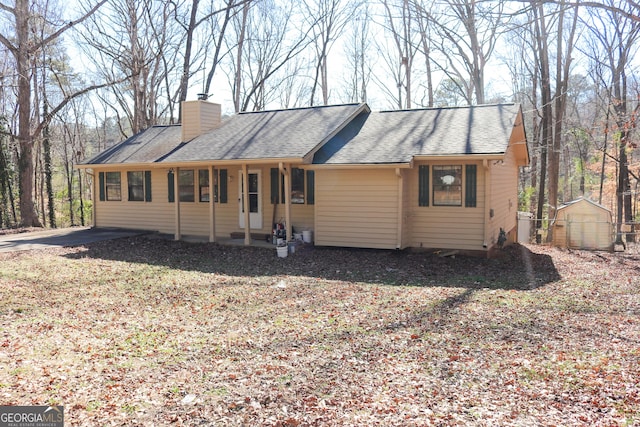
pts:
[490, 156]
[317, 166]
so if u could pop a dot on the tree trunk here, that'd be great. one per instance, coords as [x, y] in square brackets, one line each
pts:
[28, 214]
[48, 181]
[238, 70]
[562, 84]
[545, 90]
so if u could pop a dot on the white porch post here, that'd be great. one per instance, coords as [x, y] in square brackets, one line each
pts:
[95, 196]
[245, 203]
[487, 203]
[212, 207]
[176, 192]
[400, 222]
[287, 200]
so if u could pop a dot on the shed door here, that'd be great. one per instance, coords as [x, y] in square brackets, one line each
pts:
[582, 231]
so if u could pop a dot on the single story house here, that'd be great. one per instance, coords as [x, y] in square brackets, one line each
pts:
[441, 178]
[583, 224]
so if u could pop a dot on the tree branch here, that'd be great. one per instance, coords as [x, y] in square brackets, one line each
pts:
[64, 28]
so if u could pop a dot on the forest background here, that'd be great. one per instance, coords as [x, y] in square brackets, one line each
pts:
[76, 78]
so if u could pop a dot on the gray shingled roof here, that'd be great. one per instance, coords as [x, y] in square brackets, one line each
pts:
[290, 133]
[397, 136]
[357, 136]
[147, 146]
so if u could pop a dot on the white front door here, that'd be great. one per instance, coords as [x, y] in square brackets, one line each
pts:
[255, 199]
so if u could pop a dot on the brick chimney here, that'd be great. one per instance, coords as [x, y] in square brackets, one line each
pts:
[199, 117]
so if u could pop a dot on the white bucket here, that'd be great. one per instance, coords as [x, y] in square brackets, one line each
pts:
[306, 236]
[297, 236]
[282, 251]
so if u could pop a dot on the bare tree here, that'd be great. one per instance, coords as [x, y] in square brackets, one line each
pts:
[542, 57]
[357, 52]
[400, 22]
[563, 66]
[209, 41]
[469, 31]
[327, 19]
[132, 42]
[617, 36]
[265, 40]
[24, 46]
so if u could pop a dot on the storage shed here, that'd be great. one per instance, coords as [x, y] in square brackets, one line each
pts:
[583, 224]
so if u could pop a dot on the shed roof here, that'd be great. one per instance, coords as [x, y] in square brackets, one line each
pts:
[583, 200]
[398, 136]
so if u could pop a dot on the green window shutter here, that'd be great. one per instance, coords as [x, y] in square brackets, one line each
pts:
[171, 186]
[311, 194]
[101, 184]
[471, 186]
[275, 195]
[423, 185]
[223, 186]
[147, 186]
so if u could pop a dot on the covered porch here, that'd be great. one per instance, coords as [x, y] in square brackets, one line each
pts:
[210, 201]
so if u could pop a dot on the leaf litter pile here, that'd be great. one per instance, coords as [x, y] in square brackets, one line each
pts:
[143, 331]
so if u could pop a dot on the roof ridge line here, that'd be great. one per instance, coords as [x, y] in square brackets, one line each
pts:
[455, 107]
[314, 107]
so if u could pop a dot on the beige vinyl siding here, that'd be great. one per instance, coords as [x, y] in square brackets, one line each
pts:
[302, 215]
[356, 208]
[446, 227]
[504, 196]
[199, 117]
[157, 215]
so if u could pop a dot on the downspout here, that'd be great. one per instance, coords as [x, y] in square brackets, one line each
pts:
[212, 204]
[487, 203]
[176, 192]
[284, 169]
[245, 203]
[399, 220]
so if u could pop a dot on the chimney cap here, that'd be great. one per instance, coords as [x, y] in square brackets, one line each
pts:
[203, 96]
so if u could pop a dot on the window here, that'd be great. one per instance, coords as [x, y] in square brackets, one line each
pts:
[203, 185]
[135, 182]
[112, 187]
[297, 186]
[447, 185]
[186, 185]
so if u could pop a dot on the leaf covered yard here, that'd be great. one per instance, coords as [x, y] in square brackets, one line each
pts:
[144, 331]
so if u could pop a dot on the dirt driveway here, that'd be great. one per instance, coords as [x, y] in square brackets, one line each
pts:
[60, 237]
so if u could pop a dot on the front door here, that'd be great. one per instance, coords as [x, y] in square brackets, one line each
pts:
[255, 200]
